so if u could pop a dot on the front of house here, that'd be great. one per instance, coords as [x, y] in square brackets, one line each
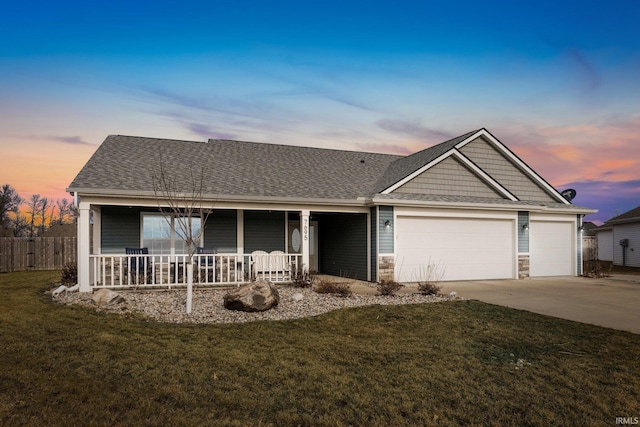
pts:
[465, 209]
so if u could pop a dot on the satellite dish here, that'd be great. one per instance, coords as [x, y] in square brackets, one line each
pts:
[569, 194]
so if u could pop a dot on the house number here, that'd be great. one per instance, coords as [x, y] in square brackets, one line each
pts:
[305, 229]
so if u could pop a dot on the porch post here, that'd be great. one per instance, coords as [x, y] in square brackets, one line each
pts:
[83, 247]
[97, 231]
[304, 217]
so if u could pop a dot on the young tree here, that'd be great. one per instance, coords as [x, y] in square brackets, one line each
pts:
[44, 208]
[180, 204]
[10, 202]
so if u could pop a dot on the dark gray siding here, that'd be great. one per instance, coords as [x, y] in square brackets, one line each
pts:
[373, 225]
[120, 229]
[386, 233]
[264, 231]
[343, 245]
[523, 235]
[221, 231]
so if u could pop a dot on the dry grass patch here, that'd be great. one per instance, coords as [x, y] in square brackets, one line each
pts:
[453, 363]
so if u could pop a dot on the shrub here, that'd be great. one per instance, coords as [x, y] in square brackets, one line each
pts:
[341, 289]
[69, 274]
[389, 287]
[303, 279]
[428, 288]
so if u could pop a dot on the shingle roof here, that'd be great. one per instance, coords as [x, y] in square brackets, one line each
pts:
[405, 166]
[130, 165]
[233, 168]
[633, 214]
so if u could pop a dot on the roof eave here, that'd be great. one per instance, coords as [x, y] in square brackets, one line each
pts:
[212, 198]
[479, 205]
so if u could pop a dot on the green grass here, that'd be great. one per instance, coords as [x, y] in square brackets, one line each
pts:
[448, 363]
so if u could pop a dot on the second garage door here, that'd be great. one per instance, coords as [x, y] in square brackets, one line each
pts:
[463, 249]
[551, 246]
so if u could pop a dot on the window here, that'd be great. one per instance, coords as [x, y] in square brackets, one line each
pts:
[164, 236]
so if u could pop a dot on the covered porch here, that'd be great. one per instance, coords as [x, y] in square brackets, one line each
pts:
[132, 246]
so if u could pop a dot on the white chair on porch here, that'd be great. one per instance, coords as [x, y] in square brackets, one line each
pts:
[260, 263]
[279, 265]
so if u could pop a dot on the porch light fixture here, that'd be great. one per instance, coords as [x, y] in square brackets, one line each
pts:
[525, 227]
[581, 228]
[387, 224]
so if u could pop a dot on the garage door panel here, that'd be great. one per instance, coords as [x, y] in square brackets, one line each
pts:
[551, 248]
[462, 249]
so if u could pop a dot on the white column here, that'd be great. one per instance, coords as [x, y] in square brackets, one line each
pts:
[240, 232]
[83, 247]
[304, 223]
[97, 231]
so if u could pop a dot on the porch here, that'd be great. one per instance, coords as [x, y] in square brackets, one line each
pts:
[170, 271]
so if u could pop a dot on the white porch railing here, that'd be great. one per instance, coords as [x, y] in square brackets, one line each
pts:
[167, 271]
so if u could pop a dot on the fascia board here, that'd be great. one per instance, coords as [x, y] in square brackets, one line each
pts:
[216, 198]
[522, 165]
[467, 205]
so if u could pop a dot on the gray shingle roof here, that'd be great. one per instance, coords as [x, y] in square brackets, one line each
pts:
[629, 216]
[232, 168]
[405, 166]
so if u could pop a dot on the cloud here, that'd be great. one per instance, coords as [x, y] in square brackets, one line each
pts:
[609, 197]
[591, 76]
[207, 132]
[415, 129]
[73, 140]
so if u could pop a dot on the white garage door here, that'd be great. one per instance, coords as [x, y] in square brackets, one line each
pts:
[551, 249]
[463, 249]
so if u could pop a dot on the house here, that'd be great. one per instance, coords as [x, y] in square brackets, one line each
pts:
[618, 239]
[465, 209]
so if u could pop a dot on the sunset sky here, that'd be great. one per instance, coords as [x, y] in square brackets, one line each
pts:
[557, 81]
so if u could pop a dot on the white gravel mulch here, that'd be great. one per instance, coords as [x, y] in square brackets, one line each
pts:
[170, 305]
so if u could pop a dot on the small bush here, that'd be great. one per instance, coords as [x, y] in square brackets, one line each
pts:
[69, 274]
[303, 279]
[341, 289]
[389, 287]
[428, 288]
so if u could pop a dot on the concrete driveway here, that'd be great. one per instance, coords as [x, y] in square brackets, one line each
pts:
[610, 302]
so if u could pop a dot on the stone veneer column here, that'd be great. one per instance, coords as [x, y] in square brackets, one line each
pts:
[523, 266]
[386, 267]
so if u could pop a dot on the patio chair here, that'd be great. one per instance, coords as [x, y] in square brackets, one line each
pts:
[139, 267]
[206, 265]
[279, 265]
[260, 261]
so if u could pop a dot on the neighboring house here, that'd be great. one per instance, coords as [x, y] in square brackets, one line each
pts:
[619, 239]
[468, 208]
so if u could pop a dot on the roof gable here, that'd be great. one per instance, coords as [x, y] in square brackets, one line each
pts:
[450, 177]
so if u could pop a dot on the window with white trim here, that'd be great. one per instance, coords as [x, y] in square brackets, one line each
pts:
[164, 236]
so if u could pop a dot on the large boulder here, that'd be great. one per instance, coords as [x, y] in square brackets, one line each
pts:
[260, 295]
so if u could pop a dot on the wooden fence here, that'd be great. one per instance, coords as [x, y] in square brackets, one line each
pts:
[38, 253]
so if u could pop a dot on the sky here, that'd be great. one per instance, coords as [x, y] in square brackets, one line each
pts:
[558, 82]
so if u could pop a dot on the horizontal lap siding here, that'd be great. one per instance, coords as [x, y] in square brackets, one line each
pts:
[264, 231]
[343, 245]
[632, 255]
[386, 240]
[220, 232]
[120, 229]
[448, 178]
[504, 171]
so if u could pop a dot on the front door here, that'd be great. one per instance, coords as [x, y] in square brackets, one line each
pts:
[295, 242]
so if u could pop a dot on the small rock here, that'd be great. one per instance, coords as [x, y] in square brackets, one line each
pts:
[107, 297]
[297, 297]
[260, 295]
[452, 295]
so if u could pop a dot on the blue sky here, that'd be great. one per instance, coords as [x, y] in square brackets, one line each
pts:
[557, 82]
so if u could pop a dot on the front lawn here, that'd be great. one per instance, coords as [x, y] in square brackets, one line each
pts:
[451, 363]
